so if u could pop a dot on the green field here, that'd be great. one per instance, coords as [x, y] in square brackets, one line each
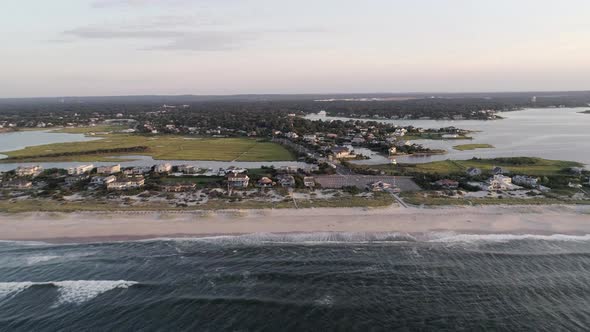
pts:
[529, 166]
[88, 130]
[467, 147]
[168, 147]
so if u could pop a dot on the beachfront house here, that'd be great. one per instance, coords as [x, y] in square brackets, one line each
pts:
[238, 180]
[472, 171]
[309, 182]
[28, 170]
[188, 169]
[265, 182]
[163, 168]
[113, 169]
[287, 181]
[379, 186]
[72, 180]
[447, 184]
[500, 182]
[499, 170]
[79, 170]
[102, 180]
[526, 181]
[127, 183]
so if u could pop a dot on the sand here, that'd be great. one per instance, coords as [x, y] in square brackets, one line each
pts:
[112, 226]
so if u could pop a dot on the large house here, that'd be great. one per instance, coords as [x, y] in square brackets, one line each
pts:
[309, 182]
[29, 170]
[108, 169]
[500, 182]
[287, 181]
[472, 171]
[524, 180]
[238, 180]
[101, 180]
[126, 183]
[340, 152]
[188, 169]
[79, 170]
[163, 168]
[265, 182]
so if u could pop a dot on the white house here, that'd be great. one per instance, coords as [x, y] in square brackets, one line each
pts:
[524, 180]
[29, 170]
[163, 168]
[500, 182]
[80, 169]
[126, 183]
[238, 180]
[108, 169]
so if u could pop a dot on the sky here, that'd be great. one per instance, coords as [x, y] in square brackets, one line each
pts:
[138, 47]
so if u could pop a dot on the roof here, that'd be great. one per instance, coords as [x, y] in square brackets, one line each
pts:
[265, 180]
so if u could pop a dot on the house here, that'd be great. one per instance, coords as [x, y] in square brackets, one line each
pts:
[18, 184]
[287, 181]
[358, 140]
[100, 180]
[499, 170]
[179, 187]
[310, 138]
[265, 183]
[472, 171]
[188, 169]
[392, 150]
[524, 180]
[288, 169]
[238, 180]
[79, 170]
[500, 182]
[163, 168]
[447, 184]
[127, 183]
[108, 169]
[340, 152]
[138, 170]
[309, 182]
[29, 170]
[72, 180]
[379, 186]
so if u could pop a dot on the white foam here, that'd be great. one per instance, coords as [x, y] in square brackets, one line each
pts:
[12, 288]
[71, 291]
[80, 291]
[32, 260]
[305, 238]
[469, 238]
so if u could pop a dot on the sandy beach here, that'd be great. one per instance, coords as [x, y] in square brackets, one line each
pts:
[113, 226]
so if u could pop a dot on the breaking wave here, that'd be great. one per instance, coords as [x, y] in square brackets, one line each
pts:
[469, 238]
[71, 291]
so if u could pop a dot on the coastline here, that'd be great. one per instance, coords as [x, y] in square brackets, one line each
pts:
[124, 226]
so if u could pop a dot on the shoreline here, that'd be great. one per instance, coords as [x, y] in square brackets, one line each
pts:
[106, 226]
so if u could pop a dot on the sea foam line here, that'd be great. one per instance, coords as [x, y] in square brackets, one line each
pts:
[469, 238]
[70, 291]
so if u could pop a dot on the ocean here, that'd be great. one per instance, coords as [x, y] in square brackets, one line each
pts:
[299, 282]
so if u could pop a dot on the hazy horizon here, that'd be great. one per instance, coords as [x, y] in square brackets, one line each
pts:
[229, 47]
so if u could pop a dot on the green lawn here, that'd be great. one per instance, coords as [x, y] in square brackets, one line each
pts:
[169, 147]
[532, 166]
[88, 130]
[466, 147]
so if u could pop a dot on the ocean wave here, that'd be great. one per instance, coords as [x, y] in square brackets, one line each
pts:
[304, 238]
[70, 291]
[470, 238]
